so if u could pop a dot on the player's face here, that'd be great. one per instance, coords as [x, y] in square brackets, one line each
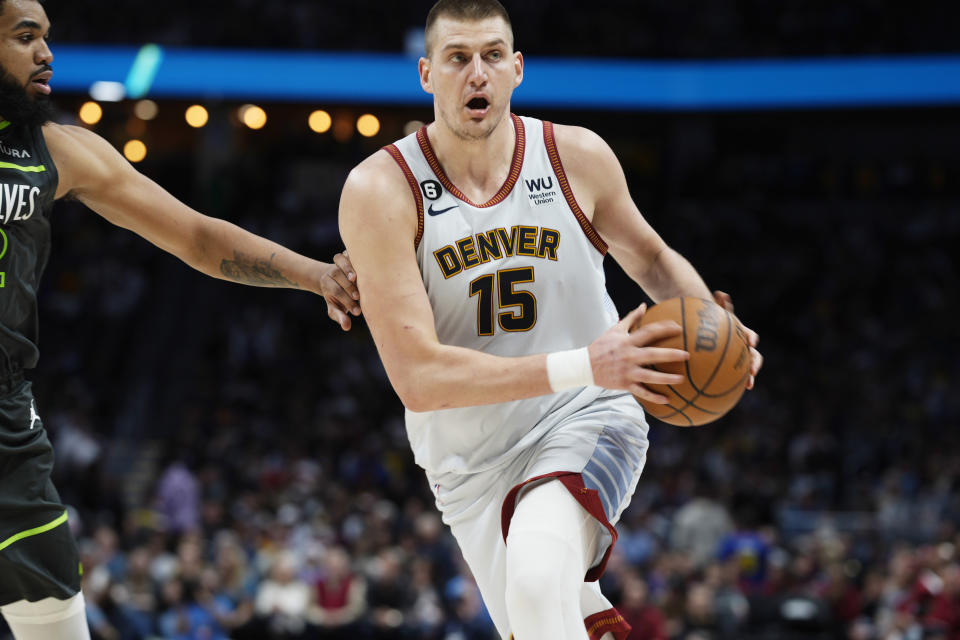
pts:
[24, 54]
[471, 72]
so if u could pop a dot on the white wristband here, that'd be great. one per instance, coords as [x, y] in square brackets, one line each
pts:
[569, 369]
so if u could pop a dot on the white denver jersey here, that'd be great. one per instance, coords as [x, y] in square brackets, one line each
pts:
[521, 274]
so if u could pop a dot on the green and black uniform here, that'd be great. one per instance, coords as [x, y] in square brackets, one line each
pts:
[38, 556]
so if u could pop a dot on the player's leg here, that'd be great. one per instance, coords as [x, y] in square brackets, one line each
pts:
[48, 619]
[599, 613]
[550, 546]
[481, 544]
[611, 468]
[39, 562]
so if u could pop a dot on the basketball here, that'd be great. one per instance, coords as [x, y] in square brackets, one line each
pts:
[717, 371]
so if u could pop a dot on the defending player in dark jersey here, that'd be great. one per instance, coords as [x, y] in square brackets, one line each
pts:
[40, 162]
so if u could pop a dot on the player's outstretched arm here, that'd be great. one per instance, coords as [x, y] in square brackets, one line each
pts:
[600, 186]
[92, 171]
[378, 223]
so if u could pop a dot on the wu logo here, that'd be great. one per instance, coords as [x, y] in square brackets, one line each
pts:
[540, 184]
[3, 252]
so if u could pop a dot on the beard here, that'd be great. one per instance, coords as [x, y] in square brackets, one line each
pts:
[18, 107]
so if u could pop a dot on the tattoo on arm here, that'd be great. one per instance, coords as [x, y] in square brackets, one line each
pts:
[255, 271]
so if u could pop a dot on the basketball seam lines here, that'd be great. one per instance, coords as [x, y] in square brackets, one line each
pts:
[692, 402]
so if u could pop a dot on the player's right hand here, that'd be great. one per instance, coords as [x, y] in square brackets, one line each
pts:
[621, 358]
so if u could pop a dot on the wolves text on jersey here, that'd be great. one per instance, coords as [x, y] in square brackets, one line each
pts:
[497, 244]
[14, 198]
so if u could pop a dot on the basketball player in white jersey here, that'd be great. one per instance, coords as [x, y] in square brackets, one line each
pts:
[478, 244]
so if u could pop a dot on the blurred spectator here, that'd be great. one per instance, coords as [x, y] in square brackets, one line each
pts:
[388, 597]
[425, 614]
[730, 604]
[178, 498]
[748, 549]
[646, 620]
[184, 618]
[700, 524]
[136, 595]
[283, 600]
[340, 598]
[699, 621]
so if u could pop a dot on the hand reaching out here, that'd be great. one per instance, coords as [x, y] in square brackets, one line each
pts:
[339, 289]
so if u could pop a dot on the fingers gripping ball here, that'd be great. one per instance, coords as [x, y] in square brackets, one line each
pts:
[717, 371]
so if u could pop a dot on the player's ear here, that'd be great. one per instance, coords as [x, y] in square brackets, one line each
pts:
[518, 68]
[424, 67]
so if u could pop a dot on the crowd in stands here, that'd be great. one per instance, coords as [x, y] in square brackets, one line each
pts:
[236, 467]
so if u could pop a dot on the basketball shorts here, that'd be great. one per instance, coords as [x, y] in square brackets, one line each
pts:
[598, 454]
[38, 555]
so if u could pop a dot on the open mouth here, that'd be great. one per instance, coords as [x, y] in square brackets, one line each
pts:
[478, 106]
[41, 82]
[478, 103]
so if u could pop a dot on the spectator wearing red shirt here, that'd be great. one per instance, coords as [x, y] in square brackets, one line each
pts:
[341, 597]
[647, 622]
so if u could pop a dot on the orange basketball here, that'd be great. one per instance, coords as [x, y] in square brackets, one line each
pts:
[717, 371]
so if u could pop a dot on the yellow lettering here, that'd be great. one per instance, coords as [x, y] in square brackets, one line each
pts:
[468, 253]
[488, 246]
[528, 241]
[507, 244]
[549, 242]
[449, 261]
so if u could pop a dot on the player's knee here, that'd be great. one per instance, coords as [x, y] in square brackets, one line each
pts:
[539, 572]
[48, 619]
[533, 584]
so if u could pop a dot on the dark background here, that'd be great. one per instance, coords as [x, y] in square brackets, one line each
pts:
[833, 230]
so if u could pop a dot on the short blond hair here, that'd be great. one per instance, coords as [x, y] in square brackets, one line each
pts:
[469, 10]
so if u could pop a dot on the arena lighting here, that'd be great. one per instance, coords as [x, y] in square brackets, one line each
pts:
[146, 109]
[368, 125]
[135, 151]
[104, 91]
[411, 127]
[196, 116]
[253, 116]
[320, 121]
[143, 71]
[90, 113]
[861, 81]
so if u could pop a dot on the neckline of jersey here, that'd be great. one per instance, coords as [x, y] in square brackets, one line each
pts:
[515, 165]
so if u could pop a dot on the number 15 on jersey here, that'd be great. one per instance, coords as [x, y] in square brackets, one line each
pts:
[516, 308]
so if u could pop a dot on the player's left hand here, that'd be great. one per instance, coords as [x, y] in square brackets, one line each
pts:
[339, 289]
[725, 301]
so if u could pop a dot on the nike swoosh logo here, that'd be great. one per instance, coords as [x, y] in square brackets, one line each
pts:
[436, 212]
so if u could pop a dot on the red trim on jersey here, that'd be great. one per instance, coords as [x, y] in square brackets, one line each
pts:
[605, 621]
[609, 621]
[412, 181]
[588, 499]
[512, 177]
[585, 223]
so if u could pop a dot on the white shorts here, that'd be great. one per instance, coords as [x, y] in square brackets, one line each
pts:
[598, 454]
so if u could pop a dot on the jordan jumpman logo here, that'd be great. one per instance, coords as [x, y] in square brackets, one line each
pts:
[34, 416]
